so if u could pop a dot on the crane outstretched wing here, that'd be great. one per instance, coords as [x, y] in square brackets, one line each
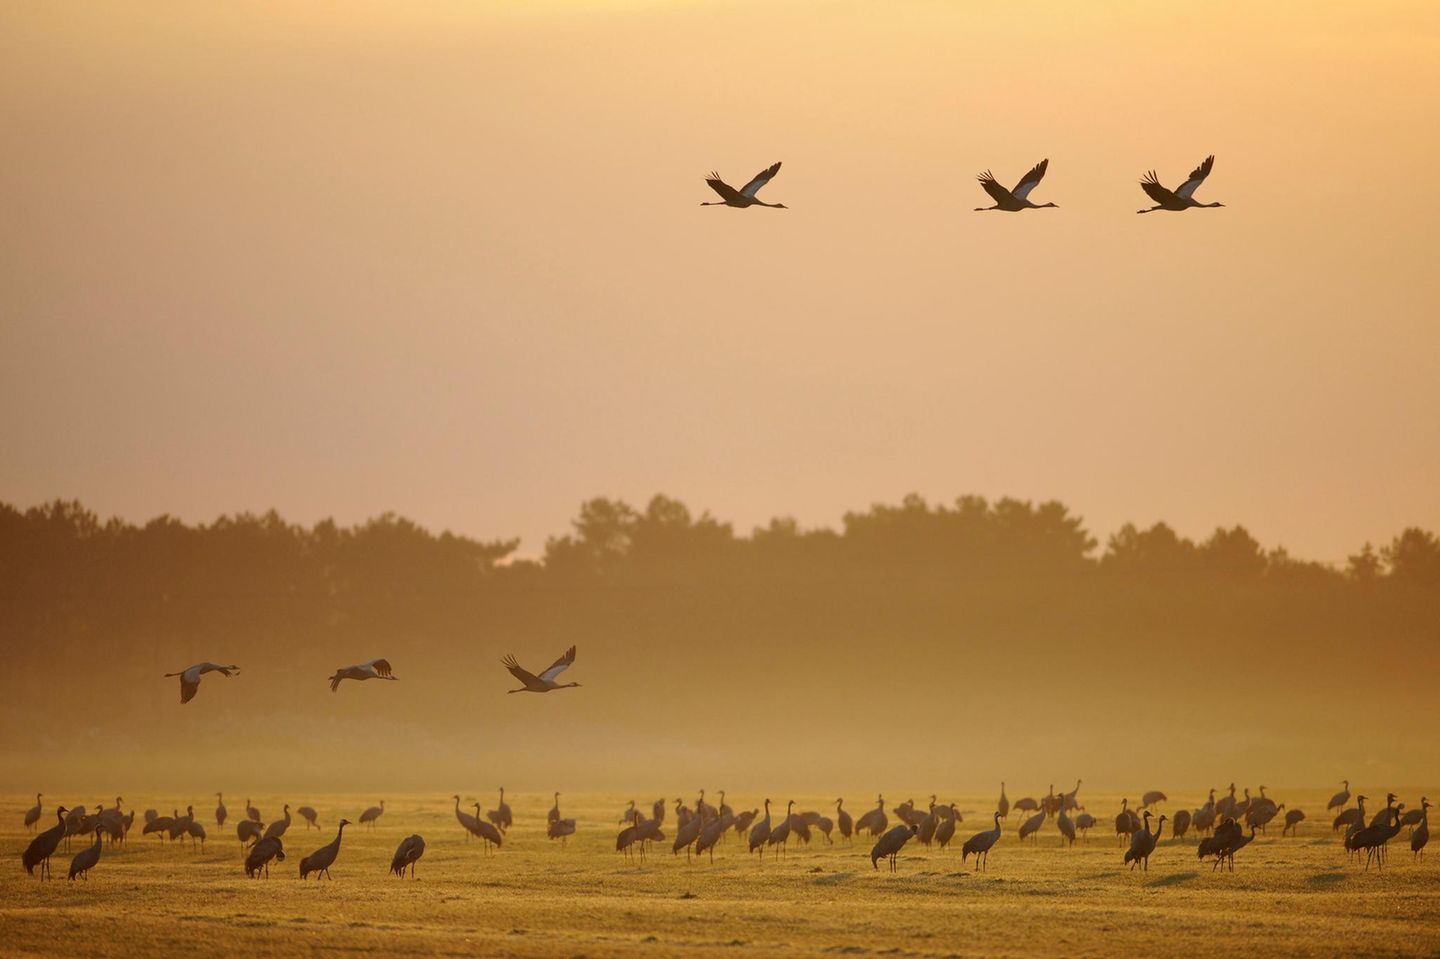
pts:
[1030, 180]
[759, 180]
[726, 191]
[992, 186]
[1197, 177]
[518, 671]
[1150, 183]
[563, 663]
[381, 667]
[188, 688]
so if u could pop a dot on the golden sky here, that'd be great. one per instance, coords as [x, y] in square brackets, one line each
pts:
[448, 259]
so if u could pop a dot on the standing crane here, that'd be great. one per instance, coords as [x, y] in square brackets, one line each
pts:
[190, 678]
[43, 846]
[220, 812]
[745, 196]
[501, 815]
[373, 813]
[1183, 196]
[1142, 843]
[979, 845]
[554, 814]
[1013, 201]
[277, 828]
[1339, 800]
[843, 819]
[1004, 804]
[874, 820]
[760, 833]
[487, 831]
[319, 861]
[86, 859]
[467, 821]
[1421, 833]
[32, 815]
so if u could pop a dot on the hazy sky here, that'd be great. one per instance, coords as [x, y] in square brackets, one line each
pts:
[448, 259]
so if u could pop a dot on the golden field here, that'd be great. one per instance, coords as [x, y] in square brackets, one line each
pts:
[1288, 897]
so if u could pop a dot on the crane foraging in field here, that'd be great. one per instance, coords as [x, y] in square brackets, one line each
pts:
[310, 816]
[1013, 201]
[261, 855]
[190, 678]
[980, 845]
[1183, 196]
[375, 669]
[43, 846]
[545, 682]
[410, 849]
[890, 845]
[745, 196]
[1293, 818]
[319, 861]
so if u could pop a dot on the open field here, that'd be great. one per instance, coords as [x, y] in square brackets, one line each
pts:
[1288, 897]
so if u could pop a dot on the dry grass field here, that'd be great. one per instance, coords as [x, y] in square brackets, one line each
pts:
[1288, 897]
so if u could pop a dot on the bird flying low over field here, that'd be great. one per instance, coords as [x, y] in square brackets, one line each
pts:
[745, 196]
[375, 669]
[190, 678]
[1013, 201]
[546, 680]
[1183, 196]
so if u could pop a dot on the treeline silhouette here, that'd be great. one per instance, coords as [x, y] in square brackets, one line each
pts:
[909, 611]
[65, 571]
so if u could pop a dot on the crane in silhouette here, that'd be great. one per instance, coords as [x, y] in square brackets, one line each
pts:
[1293, 818]
[1013, 201]
[32, 815]
[310, 816]
[745, 196]
[760, 833]
[844, 820]
[410, 849]
[190, 678]
[375, 669]
[467, 821]
[1339, 800]
[220, 811]
[1142, 843]
[369, 816]
[890, 845]
[487, 831]
[980, 844]
[261, 855]
[1420, 836]
[545, 682]
[43, 846]
[1183, 196]
[874, 821]
[86, 859]
[319, 861]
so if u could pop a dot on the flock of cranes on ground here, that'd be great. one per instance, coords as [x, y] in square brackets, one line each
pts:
[1009, 201]
[381, 669]
[1220, 824]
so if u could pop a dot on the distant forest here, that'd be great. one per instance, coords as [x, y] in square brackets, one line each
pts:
[61, 564]
[975, 618]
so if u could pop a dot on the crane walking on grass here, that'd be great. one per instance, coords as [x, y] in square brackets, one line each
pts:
[320, 861]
